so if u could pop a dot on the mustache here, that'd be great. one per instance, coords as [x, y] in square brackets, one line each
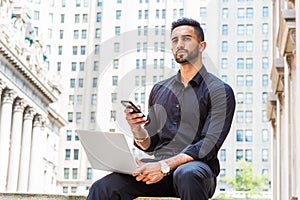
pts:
[185, 50]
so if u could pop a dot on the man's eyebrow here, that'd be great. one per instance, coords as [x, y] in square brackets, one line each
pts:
[175, 37]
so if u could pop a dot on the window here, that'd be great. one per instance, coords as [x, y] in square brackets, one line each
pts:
[70, 117]
[118, 14]
[113, 97]
[249, 63]
[240, 63]
[248, 135]
[80, 83]
[89, 173]
[78, 3]
[224, 78]
[59, 50]
[73, 68]
[265, 80]
[114, 80]
[74, 173]
[265, 11]
[113, 115]
[224, 63]
[240, 46]
[181, 12]
[223, 155]
[77, 18]
[174, 13]
[140, 14]
[116, 63]
[265, 155]
[265, 135]
[67, 154]
[99, 3]
[224, 46]
[99, 17]
[75, 50]
[224, 29]
[157, 14]
[73, 189]
[36, 15]
[241, 13]
[249, 13]
[265, 29]
[137, 80]
[66, 173]
[78, 117]
[163, 14]
[240, 80]
[249, 116]
[145, 47]
[65, 189]
[76, 153]
[264, 116]
[61, 34]
[239, 154]
[249, 97]
[96, 65]
[59, 66]
[79, 99]
[222, 172]
[81, 66]
[97, 33]
[72, 83]
[161, 63]
[265, 62]
[249, 80]
[93, 117]
[94, 99]
[69, 135]
[116, 47]
[97, 49]
[239, 135]
[144, 61]
[240, 98]
[239, 116]
[143, 80]
[225, 13]
[145, 14]
[203, 12]
[249, 46]
[240, 29]
[249, 29]
[95, 82]
[76, 137]
[264, 97]
[63, 3]
[62, 18]
[265, 45]
[117, 30]
[248, 155]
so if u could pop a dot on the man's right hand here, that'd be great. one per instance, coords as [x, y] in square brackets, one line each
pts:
[136, 121]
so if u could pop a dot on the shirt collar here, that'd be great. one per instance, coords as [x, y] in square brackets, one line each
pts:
[197, 79]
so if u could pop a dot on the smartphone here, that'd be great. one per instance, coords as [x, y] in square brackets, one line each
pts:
[131, 105]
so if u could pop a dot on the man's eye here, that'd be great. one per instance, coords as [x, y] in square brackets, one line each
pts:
[186, 39]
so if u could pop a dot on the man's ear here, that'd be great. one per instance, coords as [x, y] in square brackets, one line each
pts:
[202, 46]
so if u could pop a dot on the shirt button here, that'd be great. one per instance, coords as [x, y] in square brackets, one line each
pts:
[177, 106]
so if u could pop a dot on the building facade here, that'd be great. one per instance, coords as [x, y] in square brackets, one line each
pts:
[29, 125]
[283, 101]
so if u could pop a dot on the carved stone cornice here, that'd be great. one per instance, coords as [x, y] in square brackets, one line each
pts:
[287, 27]
[277, 75]
[271, 106]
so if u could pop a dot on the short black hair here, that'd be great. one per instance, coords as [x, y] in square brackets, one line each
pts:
[190, 22]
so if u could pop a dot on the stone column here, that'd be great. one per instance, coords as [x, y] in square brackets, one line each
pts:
[2, 86]
[16, 135]
[5, 130]
[25, 150]
[36, 169]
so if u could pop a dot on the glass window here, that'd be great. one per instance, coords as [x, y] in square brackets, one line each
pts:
[116, 63]
[143, 80]
[249, 13]
[69, 135]
[67, 154]
[78, 3]
[65, 189]
[66, 173]
[249, 29]
[249, 97]
[224, 46]
[79, 99]
[239, 116]
[78, 117]
[72, 83]
[62, 18]
[97, 33]
[249, 116]
[94, 99]
[113, 115]
[118, 14]
[59, 66]
[114, 80]
[265, 11]
[222, 172]
[76, 154]
[249, 80]
[74, 173]
[80, 83]
[97, 49]
[265, 135]
[239, 135]
[61, 34]
[84, 18]
[224, 78]
[224, 29]
[249, 63]
[83, 34]
[264, 97]
[162, 63]
[223, 155]
[146, 14]
[96, 65]
[248, 155]
[59, 50]
[145, 47]
[265, 80]
[73, 189]
[240, 13]
[89, 173]
[240, 98]
[71, 99]
[203, 12]
[240, 29]
[265, 155]
[116, 47]
[249, 46]
[144, 61]
[75, 50]
[181, 12]
[239, 154]
[73, 68]
[240, 46]
[264, 116]
[163, 13]
[113, 97]
[157, 13]
[81, 66]
[95, 82]
[82, 50]
[99, 17]
[265, 29]
[265, 45]
[140, 14]
[240, 63]
[224, 63]
[265, 62]
[77, 18]
[117, 30]
[225, 13]
[248, 135]
[93, 117]
[240, 80]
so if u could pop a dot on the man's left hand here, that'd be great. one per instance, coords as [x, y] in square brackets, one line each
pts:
[148, 172]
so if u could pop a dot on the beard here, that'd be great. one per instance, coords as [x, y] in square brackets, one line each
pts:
[188, 57]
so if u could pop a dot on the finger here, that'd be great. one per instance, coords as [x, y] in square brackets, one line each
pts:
[139, 162]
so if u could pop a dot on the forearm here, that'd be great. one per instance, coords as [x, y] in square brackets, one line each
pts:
[142, 138]
[178, 160]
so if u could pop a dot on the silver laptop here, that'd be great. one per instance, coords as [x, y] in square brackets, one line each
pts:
[107, 151]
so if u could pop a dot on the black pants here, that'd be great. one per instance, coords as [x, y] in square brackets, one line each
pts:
[193, 180]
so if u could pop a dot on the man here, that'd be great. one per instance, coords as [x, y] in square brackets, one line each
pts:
[189, 117]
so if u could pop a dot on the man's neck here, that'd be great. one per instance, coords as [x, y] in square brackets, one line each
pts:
[188, 71]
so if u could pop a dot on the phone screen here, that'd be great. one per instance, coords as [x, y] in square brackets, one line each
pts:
[131, 105]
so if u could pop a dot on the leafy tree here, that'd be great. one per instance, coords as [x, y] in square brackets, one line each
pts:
[247, 181]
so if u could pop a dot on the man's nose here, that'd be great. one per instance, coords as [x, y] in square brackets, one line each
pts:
[180, 44]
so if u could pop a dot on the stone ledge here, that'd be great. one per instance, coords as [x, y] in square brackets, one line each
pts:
[18, 196]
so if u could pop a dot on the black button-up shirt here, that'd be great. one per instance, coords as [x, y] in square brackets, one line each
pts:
[193, 119]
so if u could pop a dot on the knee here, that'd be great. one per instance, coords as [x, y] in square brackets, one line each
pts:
[97, 190]
[184, 175]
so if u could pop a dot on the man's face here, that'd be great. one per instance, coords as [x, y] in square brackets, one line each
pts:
[185, 44]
